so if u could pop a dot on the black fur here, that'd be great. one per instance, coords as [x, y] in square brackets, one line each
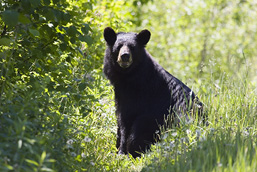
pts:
[145, 93]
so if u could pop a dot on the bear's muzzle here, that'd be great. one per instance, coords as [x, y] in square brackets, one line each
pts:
[124, 58]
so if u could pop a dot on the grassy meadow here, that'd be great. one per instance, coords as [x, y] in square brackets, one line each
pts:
[228, 143]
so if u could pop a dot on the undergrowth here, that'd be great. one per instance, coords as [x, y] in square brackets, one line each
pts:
[226, 144]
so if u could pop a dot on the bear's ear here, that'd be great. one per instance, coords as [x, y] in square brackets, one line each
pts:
[144, 36]
[110, 36]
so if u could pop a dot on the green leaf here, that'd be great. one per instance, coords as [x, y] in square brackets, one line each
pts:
[85, 29]
[35, 3]
[8, 167]
[5, 41]
[82, 86]
[82, 38]
[32, 162]
[72, 31]
[63, 46]
[43, 156]
[86, 39]
[89, 40]
[23, 19]
[46, 2]
[87, 5]
[73, 40]
[48, 13]
[56, 1]
[25, 5]
[34, 32]
[10, 17]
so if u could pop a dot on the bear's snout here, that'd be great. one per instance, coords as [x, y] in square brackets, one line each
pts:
[124, 58]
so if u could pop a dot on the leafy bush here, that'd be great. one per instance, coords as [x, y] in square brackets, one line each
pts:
[51, 82]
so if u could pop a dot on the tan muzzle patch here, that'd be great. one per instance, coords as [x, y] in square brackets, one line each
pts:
[124, 57]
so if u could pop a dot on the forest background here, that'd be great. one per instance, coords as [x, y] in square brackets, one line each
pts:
[56, 106]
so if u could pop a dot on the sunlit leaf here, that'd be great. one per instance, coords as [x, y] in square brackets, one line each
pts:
[8, 167]
[46, 169]
[32, 162]
[19, 144]
[43, 156]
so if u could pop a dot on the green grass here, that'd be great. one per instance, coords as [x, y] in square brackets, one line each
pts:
[72, 141]
[226, 144]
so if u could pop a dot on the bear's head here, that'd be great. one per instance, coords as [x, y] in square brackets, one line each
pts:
[125, 49]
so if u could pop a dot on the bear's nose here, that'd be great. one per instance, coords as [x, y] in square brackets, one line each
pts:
[125, 57]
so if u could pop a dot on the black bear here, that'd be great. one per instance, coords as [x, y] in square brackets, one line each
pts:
[145, 93]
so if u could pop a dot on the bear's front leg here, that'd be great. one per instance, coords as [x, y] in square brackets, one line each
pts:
[142, 135]
[121, 141]
[118, 138]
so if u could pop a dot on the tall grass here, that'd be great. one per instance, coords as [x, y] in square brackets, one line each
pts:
[226, 144]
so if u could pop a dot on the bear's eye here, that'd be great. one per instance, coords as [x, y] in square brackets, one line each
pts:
[116, 48]
[119, 47]
[131, 47]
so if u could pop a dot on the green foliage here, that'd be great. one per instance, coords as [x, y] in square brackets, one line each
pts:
[227, 144]
[202, 37]
[44, 80]
[57, 110]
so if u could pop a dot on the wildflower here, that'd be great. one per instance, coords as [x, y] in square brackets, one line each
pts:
[50, 24]
[172, 144]
[191, 92]
[69, 142]
[167, 148]
[183, 140]
[188, 132]
[203, 137]
[103, 101]
[83, 155]
[212, 130]
[87, 139]
[174, 134]
[246, 133]
[73, 154]
[219, 164]
[198, 133]
[189, 121]
[217, 86]
[164, 136]
[104, 115]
